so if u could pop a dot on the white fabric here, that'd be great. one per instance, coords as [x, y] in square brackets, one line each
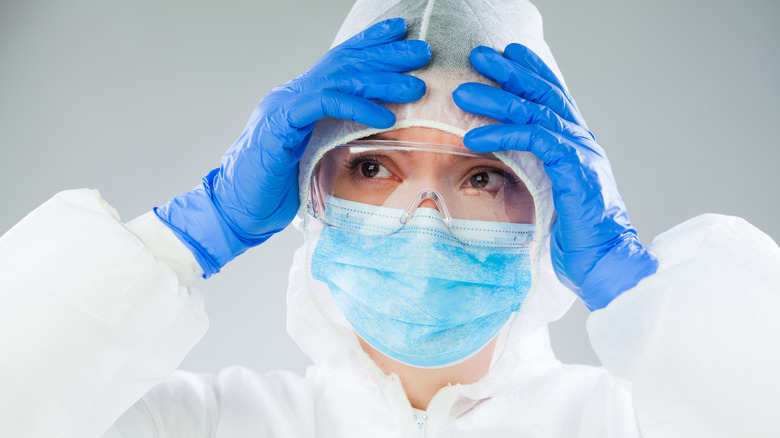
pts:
[94, 314]
[703, 334]
[90, 320]
[166, 246]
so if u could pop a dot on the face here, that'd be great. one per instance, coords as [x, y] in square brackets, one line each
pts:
[473, 187]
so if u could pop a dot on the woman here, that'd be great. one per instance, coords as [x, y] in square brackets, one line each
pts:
[117, 316]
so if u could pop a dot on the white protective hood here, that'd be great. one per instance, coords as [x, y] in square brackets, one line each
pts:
[452, 28]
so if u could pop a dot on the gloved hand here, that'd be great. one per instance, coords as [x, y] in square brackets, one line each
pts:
[254, 192]
[595, 250]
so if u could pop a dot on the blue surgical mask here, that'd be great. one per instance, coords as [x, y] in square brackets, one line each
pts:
[419, 295]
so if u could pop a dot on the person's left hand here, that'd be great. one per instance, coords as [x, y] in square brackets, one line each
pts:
[595, 250]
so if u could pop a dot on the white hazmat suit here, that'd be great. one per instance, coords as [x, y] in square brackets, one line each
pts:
[96, 314]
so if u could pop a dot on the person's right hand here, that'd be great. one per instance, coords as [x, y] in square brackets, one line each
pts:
[254, 192]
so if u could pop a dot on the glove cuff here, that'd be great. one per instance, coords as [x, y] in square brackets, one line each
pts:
[622, 268]
[197, 222]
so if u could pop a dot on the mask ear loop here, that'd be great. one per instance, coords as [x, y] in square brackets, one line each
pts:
[421, 196]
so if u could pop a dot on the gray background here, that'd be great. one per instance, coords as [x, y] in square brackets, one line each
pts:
[139, 98]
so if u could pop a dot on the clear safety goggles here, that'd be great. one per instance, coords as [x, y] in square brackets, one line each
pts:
[374, 187]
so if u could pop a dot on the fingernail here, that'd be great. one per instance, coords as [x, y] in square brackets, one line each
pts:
[381, 28]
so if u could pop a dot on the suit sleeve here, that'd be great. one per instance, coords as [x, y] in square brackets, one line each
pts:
[93, 313]
[700, 339]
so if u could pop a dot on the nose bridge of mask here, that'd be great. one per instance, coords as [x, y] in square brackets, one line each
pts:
[359, 218]
[372, 220]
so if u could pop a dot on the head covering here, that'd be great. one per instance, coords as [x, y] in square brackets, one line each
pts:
[452, 28]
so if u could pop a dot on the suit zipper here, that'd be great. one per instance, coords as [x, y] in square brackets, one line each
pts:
[420, 420]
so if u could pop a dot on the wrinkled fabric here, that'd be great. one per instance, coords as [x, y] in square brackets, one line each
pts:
[664, 343]
[716, 368]
[90, 318]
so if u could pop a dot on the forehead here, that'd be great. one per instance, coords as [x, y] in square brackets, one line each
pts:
[419, 134]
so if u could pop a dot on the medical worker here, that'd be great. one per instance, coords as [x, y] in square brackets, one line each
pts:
[452, 198]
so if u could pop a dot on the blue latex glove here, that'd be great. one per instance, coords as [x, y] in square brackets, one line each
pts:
[595, 250]
[254, 192]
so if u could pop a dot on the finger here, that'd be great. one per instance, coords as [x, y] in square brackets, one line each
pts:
[381, 87]
[551, 148]
[307, 108]
[526, 57]
[562, 158]
[399, 56]
[516, 79]
[386, 31]
[506, 107]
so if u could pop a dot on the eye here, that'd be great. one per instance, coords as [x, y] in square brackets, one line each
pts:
[484, 180]
[479, 180]
[372, 169]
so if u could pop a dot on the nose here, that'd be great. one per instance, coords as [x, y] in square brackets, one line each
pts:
[428, 202]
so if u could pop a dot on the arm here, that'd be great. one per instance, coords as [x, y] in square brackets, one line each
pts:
[90, 316]
[700, 339]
